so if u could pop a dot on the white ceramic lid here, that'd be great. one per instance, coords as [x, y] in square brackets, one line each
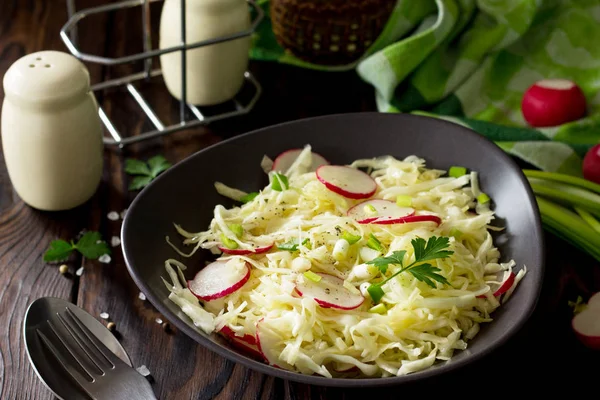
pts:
[45, 78]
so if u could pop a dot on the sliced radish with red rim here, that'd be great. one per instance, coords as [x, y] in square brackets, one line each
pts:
[378, 209]
[329, 292]
[346, 181]
[246, 343]
[219, 278]
[586, 325]
[409, 219]
[594, 301]
[285, 160]
[500, 288]
[243, 252]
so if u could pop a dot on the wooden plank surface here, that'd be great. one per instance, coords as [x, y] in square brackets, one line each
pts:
[180, 368]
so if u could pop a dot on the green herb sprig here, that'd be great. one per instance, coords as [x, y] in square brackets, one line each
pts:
[433, 249]
[145, 172]
[90, 245]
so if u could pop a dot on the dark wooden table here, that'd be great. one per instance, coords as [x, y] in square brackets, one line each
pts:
[544, 356]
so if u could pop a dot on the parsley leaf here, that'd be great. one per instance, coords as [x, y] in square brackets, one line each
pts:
[428, 273]
[59, 250]
[90, 246]
[382, 263]
[145, 172]
[433, 249]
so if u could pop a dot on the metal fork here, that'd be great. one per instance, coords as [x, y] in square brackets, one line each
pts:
[96, 369]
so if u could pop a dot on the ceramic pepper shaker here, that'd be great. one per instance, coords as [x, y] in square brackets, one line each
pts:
[51, 131]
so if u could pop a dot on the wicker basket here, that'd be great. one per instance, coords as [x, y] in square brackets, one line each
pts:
[329, 32]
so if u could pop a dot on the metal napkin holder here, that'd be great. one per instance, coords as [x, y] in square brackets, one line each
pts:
[68, 34]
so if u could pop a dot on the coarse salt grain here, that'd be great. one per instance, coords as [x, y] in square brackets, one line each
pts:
[159, 321]
[115, 241]
[142, 296]
[113, 215]
[104, 315]
[105, 258]
[79, 271]
[143, 370]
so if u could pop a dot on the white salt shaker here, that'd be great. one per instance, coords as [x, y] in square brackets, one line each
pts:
[215, 73]
[51, 131]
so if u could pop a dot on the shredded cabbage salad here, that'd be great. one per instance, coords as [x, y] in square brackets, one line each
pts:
[413, 324]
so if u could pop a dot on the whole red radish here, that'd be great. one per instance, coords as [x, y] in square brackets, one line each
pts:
[591, 164]
[552, 102]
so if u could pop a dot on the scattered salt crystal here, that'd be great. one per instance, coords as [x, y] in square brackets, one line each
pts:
[143, 370]
[142, 296]
[104, 258]
[115, 241]
[113, 215]
[104, 315]
[159, 321]
[123, 213]
[79, 271]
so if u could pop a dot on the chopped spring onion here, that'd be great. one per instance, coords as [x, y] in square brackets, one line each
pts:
[237, 230]
[374, 244]
[483, 198]
[249, 197]
[457, 234]
[350, 238]
[376, 293]
[457, 172]
[293, 244]
[369, 209]
[404, 201]
[378, 309]
[230, 244]
[279, 182]
[312, 276]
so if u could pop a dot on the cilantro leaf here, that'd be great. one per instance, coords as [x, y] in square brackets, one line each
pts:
[157, 165]
[382, 263]
[428, 273]
[59, 250]
[145, 172]
[249, 197]
[92, 246]
[136, 167]
[433, 249]
[139, 182]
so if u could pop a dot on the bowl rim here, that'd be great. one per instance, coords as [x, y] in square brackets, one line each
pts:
[261, 367]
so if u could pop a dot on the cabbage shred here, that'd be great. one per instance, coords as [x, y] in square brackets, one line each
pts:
[422, 324]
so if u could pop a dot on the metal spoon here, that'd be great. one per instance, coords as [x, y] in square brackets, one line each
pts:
[55, 378]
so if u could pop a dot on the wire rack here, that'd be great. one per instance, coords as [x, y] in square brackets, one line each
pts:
[189, 115]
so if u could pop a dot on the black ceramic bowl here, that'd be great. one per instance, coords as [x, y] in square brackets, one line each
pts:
[185, 195]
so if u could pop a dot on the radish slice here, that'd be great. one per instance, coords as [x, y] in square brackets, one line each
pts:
[270, 345]
[552, 102]
[285, 160]
[383, 210]
[346, 181]
[594, 301]
[408, 219]
[246, 343]
[591, 164]
[219, 279]
[500, 289]
[243, 252]
[329, 292]
[586, 325]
